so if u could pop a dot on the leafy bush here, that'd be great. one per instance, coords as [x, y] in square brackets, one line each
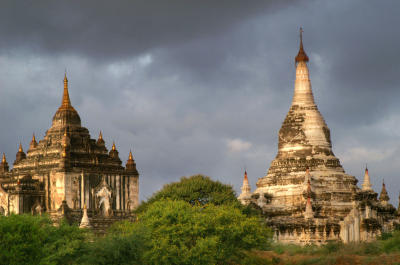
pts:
[392, 244]
[179, 233]
[27, 239]
[127, 249]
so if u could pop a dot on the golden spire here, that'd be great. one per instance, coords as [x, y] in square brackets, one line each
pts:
[301, 55]
[3, 161]
[20, 150]
[66, 102]
[33, 142]
[100, 136]
[113, 147]
[130, 155]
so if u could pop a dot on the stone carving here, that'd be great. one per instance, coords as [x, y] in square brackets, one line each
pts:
[37, 209]
[103, 198]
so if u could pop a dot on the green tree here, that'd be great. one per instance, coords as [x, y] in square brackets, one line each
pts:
[196, 190]
[179, 233]
[27, 239]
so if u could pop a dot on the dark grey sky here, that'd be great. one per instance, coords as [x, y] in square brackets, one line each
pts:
[203, 86]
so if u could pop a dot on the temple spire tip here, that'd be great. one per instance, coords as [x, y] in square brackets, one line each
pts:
[301, 55]
[20, 148]
[66, 102]
[130, 155]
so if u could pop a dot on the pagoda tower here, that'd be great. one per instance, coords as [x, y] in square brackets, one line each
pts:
[67, 170]
[305, 151]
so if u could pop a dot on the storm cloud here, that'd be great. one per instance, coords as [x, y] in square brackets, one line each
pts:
[203, 86]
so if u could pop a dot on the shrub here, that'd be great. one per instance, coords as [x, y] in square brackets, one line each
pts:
[27, 239]
[179, 233]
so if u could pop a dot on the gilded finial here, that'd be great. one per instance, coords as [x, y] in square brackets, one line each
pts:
[301, 36]
[100, 136]
[66, 102]
[301, 55]
[3, 160]
[20, 148]
[113, 147]
[130, 155]
[33, 142]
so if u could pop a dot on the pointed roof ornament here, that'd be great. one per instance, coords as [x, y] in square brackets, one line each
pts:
[100, 140]
[130, 164]
[20, 154]
[245, 196]
[301, 55]
[66, 102]
[384, 197]
[33, 142]
[114, 153]
[20, 150]
[367, 182]
[4, 165]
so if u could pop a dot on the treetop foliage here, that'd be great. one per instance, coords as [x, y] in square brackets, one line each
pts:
[196, 190]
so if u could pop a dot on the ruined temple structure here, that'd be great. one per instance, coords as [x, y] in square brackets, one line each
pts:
[67, 171]
[306, 195]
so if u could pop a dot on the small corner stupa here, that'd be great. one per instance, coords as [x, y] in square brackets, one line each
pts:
[245, 196]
